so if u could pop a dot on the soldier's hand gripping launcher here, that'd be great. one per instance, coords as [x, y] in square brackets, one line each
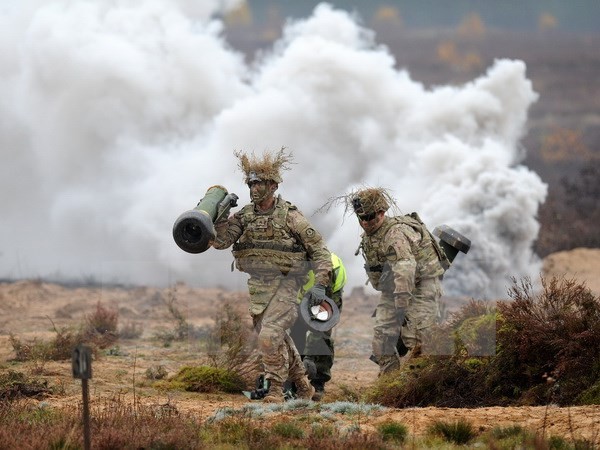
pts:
[193, 230]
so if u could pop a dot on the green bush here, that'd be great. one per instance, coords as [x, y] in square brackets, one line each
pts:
[459, 432]
[392, 431]
[207, 379]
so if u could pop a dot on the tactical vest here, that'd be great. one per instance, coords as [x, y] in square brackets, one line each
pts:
[427, 252]
[267, 246]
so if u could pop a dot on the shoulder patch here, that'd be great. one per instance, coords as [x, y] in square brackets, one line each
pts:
[310, 232]
[391, 254]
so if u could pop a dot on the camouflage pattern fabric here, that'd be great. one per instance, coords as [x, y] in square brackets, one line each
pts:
[402, 263]
[279, 242]
[275, 248]
[279, 355]
[422, 313]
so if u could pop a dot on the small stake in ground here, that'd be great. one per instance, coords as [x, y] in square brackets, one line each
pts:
[82, 369]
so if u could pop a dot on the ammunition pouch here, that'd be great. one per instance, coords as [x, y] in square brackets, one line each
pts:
[267, 246]
[270, 257]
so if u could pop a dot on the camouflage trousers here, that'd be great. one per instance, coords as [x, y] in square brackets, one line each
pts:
[316, 346]
[391, 337]
[279, 356]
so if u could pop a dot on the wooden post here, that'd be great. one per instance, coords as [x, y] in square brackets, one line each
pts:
[82, 369]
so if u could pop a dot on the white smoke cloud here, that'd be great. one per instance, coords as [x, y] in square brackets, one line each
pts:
[116, 118]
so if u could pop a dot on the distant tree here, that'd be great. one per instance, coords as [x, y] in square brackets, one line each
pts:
[448, 53]
[563, 144]
[472, 26]
[387, 15]
[547, 21]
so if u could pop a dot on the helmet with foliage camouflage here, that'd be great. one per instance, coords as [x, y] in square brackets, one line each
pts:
[370, 200]
[267, 167]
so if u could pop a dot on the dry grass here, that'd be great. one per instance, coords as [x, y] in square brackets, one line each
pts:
[457, 380]
[116, 423]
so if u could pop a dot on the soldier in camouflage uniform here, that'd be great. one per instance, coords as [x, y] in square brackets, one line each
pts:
[274, 243]
[402, 261]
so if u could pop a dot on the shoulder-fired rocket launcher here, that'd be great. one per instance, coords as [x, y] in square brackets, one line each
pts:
[451, 242]
[193, 230]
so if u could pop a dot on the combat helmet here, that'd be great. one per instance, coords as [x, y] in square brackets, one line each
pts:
[370, 201]
[267, 167]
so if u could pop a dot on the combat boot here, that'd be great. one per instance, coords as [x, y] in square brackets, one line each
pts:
[304, 389]
[319, 390]
[275, 394]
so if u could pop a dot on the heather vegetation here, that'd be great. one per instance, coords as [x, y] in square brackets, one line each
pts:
[99, 331]
[542, 347]
[547, 351]
[119, 424]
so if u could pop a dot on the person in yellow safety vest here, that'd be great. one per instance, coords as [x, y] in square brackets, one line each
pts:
[317, 348]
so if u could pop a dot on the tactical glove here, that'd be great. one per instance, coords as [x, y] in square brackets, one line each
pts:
[226, 204]
[316, 295]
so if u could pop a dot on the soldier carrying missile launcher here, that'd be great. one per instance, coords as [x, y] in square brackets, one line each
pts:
[276, 245]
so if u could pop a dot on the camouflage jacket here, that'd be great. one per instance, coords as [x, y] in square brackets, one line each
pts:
[399, 255]
[276, 242]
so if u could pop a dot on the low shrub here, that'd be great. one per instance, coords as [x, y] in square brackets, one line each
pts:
[545, 349]
[207, 379]
[393, 431]
[15, 385]
[232, 343]
[459, 432]
[131, 330]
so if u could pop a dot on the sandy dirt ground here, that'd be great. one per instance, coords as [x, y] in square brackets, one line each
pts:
[33, 309]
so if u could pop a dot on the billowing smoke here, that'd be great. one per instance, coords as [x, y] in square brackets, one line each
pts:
[117, 116]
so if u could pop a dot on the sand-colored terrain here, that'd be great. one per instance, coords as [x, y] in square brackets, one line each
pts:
[30, 309]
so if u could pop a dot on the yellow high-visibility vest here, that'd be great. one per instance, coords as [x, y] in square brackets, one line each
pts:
[338, 279]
